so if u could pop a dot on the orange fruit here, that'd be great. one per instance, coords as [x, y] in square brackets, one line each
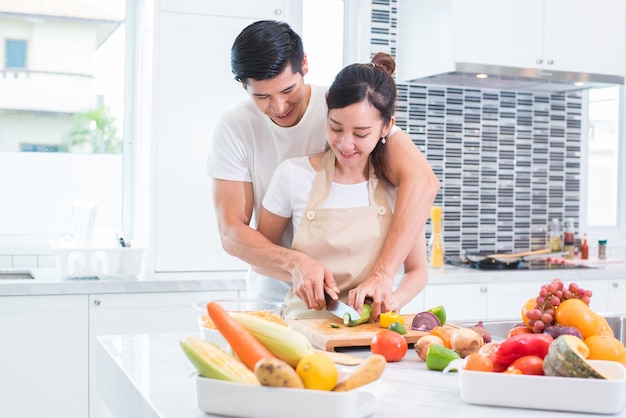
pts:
[606, 347]
[478, 362]
[529, 305]
[576, 313]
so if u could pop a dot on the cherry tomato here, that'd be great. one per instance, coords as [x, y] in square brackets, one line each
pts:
[478, 362]
[528, 365]
[390, 345]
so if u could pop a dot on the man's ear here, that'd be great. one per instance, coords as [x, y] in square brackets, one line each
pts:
[244, 86]
[305, 65]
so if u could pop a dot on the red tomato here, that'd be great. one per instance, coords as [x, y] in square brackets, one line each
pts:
[390, 345]
[521, 329]
[528, 365]
[478, 362]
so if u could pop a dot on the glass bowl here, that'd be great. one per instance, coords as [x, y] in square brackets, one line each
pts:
[233, 305]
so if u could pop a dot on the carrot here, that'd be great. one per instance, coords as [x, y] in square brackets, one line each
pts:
[246, 347]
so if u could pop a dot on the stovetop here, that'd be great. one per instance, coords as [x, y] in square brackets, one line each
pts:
[524, 265]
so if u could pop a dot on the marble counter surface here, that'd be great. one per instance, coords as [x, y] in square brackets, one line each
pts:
[149, 376]
[47, 281]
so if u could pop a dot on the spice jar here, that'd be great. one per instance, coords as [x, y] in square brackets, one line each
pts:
[568, 239]
[602, 249]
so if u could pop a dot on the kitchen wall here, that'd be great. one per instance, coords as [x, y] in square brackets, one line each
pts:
[508, 161]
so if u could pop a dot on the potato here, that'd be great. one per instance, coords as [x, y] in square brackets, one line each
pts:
[278, 373]
[368, 371]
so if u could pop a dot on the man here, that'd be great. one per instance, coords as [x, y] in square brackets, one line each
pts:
[286, 118]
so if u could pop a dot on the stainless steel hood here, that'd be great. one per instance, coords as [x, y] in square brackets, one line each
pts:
[519, 79]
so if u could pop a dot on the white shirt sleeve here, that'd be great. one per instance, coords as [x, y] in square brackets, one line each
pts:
[277, 198]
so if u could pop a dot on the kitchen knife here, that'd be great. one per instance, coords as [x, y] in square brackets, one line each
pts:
[340, 309]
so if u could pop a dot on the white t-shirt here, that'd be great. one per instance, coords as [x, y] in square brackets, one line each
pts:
[247, 146]
[289, 191]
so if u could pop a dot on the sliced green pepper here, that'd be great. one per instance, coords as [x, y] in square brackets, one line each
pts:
[438, 357]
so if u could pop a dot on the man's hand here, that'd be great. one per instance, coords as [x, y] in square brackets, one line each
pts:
[310, 279]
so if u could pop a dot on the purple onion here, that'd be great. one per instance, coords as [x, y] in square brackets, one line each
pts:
[425, 321]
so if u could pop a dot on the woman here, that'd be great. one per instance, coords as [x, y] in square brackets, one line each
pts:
[339, 202]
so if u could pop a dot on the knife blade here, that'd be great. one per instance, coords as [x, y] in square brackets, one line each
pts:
[340, 309]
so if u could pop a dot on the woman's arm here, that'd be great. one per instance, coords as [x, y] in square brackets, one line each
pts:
[417, 187]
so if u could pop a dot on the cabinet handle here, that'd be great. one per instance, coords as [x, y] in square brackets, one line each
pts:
[615, 284]
[278, 12]
[483, 289]
[550, 62]
[539, 60]
[96, 302]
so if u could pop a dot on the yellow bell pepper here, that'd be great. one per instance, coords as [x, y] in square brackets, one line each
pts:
[387, 318]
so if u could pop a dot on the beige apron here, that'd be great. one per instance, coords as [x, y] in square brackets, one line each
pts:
[348, 240]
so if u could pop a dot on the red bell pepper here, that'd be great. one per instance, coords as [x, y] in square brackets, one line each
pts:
[522, 345]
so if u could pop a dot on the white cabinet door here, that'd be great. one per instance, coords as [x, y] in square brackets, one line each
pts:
[43, 356]
[585, 37]
[498, 32]
[507, 298]
[557, 35]
[600, 289]
[617, 296]
[461, 301]
[140, 313]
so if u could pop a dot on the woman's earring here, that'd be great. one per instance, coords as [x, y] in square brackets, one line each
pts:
[383, 139]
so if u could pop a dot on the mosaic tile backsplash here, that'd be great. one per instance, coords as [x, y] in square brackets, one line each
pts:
[508, 161]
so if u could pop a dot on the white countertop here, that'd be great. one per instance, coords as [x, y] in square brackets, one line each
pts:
[48, 281]
[149, 376]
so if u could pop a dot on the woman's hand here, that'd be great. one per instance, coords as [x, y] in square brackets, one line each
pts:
[376, 291]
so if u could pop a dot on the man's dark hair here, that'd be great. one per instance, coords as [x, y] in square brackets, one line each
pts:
[264, 49]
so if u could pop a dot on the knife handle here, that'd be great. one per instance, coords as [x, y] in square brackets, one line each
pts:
[327, 298]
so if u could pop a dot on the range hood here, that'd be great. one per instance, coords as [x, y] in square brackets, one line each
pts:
[468, 75]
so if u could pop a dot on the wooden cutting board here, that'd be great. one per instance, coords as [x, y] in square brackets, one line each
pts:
[325, 337]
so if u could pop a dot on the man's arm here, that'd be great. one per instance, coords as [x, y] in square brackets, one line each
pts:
[408, 169]
[234, 202]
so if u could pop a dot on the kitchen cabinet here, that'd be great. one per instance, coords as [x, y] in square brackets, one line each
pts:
[507, 298]
[617, 296]
[548, 35]
[140, 313]
[187, 46]
[462, 301]
[43, 361]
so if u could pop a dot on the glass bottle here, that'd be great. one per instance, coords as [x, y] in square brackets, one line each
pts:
[554, 240]
[602, 249]
[568, 239]
[584, 248]
[435, 245]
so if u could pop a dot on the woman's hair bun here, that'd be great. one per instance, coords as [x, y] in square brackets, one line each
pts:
[385, 62]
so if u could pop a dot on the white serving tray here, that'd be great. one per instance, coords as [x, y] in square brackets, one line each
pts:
[548, 392]
[249, 401]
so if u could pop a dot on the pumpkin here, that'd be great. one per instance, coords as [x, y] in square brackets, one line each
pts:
[567, 357]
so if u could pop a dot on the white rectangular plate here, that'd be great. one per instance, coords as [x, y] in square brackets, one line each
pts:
[548, 392]
[249, 401]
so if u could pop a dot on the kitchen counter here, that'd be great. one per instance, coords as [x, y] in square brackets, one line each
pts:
[47, 281]
[149, 376]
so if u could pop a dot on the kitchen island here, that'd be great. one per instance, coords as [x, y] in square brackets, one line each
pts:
[148, 375]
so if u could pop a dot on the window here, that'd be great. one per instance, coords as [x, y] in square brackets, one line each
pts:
[62, 122]
[16, 53]
[604, 174]
[324, 48]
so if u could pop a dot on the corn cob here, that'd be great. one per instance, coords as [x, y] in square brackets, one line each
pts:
[213, 362]
[283, 342]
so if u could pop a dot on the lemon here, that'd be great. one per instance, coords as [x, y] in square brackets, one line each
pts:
[317, 372]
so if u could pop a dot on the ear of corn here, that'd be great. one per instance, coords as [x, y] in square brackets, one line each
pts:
[213, 362]
[282, 341]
